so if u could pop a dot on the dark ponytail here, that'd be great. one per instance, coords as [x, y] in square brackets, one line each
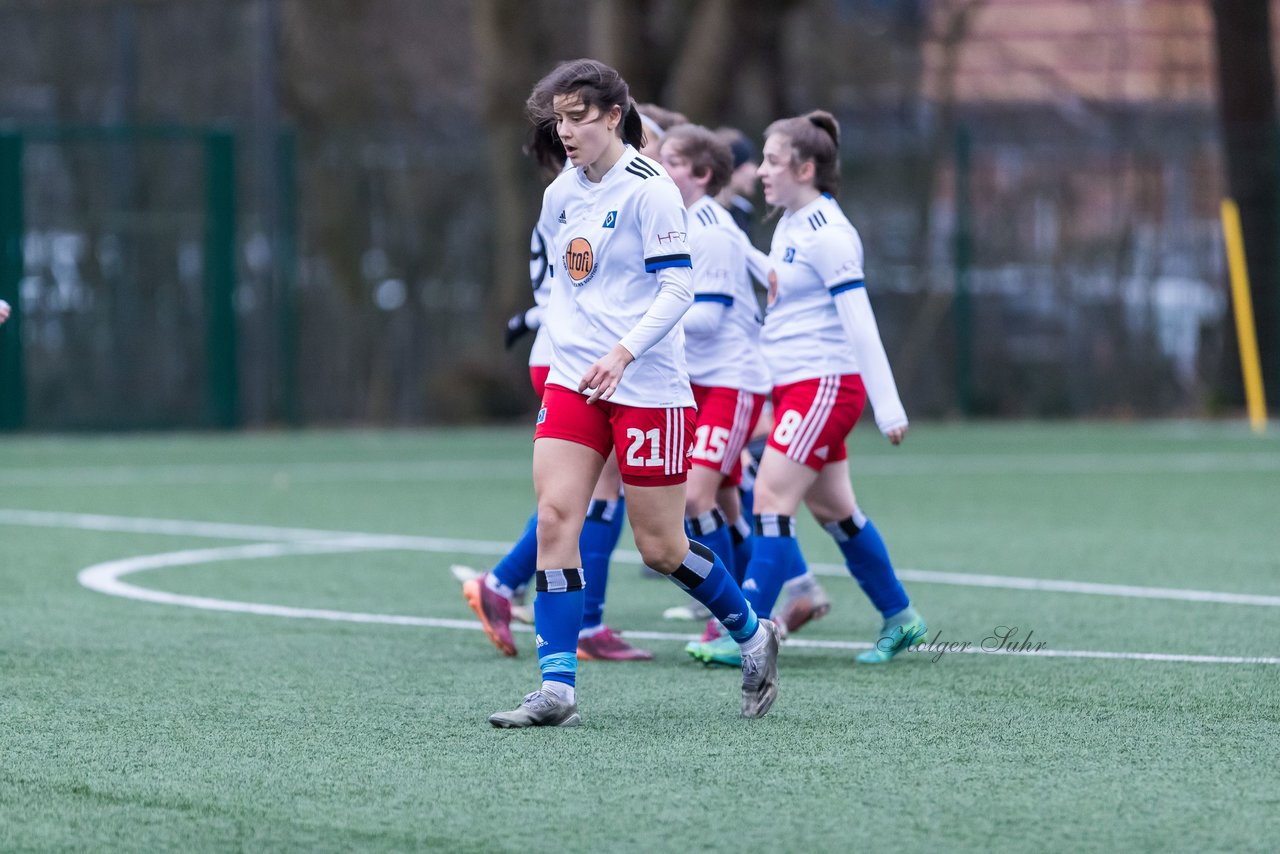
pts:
[545, 148]
[815, 136]
[632, 126]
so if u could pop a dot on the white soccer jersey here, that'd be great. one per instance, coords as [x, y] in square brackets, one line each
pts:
[539, 267]
[723, 347]
[606, 242]
[815, 252]
[822, 323]
[539, 278]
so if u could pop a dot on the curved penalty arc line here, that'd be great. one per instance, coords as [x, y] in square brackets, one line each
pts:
[107, 578]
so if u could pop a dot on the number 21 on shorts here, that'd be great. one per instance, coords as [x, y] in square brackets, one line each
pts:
[636, 440]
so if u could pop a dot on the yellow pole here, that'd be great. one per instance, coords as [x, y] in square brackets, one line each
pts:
[1250, 365]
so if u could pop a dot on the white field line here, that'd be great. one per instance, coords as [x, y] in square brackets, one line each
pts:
[280, 474]
[106, 578]
[233, 531]
[410, 471]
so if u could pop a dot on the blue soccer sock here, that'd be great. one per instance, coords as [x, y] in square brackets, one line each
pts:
[557, 616]
[797, 568]
[774, 551]
[868, 560]
[740, 533]
[704, 577]
[600, 534]
[517, 566]
[747, 488]
[712, 531]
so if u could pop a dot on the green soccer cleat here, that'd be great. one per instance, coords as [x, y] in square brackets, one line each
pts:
[904, 629]
[723, 650]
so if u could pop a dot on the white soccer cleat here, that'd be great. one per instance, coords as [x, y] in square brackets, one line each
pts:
[760, 676]
[694, 613]
[538, 709]
[464, 573]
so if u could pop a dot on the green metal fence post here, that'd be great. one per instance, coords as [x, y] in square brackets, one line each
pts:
[287, 273]
[222, 369]
[963, 307]
[13, 391]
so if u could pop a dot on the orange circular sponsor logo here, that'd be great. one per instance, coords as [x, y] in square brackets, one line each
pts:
[579, 260]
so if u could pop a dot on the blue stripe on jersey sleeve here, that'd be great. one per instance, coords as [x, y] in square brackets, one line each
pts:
[723, 299]
[659, 262]
[836, 290]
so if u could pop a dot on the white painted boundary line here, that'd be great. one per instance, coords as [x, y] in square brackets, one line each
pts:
[232, 531]
[278, 473]
[105, 578]
[397, 471]
[1126, 591]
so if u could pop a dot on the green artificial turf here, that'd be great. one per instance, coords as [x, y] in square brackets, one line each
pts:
[131, 725]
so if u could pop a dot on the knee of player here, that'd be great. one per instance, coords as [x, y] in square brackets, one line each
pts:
[826, 510]
[697, 502]
[553, 518]
[773, 498]
[662, 553]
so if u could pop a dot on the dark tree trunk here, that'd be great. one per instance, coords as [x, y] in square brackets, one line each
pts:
[508, 69]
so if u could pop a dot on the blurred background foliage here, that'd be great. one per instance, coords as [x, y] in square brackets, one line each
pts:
[1036, 181]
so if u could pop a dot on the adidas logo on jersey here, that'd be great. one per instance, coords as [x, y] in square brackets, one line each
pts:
[750, 584]
[641, 169]
[563, 220]
[541, 642]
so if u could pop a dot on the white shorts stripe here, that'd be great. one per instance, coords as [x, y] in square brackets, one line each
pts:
[828, 406]
[666, 443]
[820, 422]
[738, 434]
[680, 446]
[814, 420]
[666, 446]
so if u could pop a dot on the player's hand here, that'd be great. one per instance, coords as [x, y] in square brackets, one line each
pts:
[605, 374]
[773, 288]
[517, 328]
[896, 435]
[4, 311]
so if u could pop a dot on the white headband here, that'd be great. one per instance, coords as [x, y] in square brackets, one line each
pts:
[651, 126]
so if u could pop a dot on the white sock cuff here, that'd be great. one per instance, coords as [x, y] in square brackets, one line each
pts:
[559, 690]
[756, 642]
[491, 581]
[707, 523]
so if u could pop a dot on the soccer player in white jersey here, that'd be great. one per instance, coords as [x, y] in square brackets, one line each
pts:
[823, 348]
[722, 338]
[490, 595]
[804, 599]
[621, 280]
